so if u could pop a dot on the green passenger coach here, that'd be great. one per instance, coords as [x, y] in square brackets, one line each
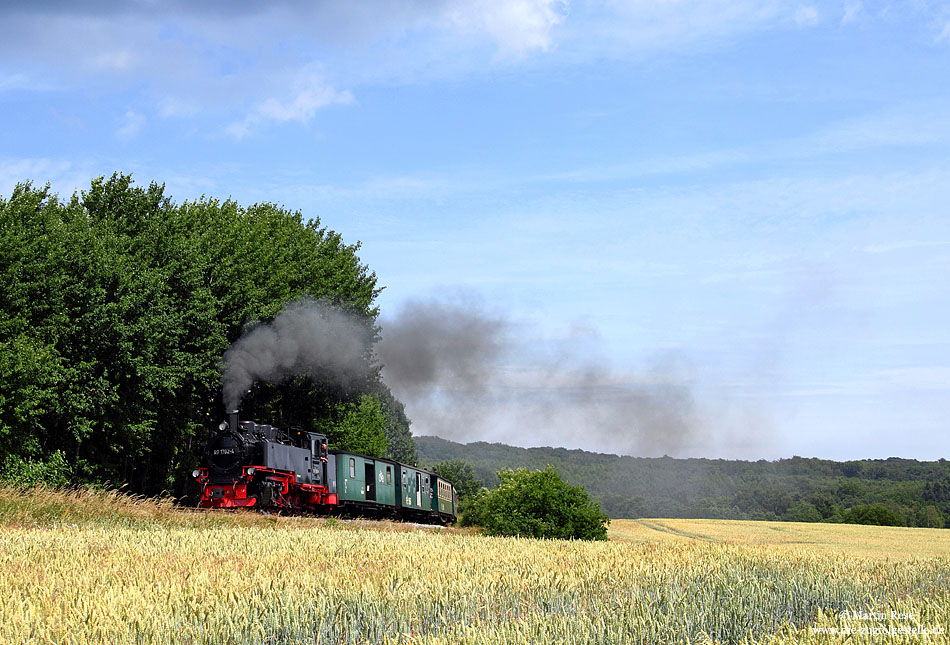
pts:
[365, 482]
[413, 489]
[444, 500]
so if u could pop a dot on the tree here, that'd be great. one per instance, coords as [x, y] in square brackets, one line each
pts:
[399, 443]
[462, 476]
[802, 511]
[537, 504]
[877, 514]
[117, 307]
[930, 517]
[361, 428]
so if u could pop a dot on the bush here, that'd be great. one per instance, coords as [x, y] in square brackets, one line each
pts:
[537, 504]
[877, 514]
[53, 472]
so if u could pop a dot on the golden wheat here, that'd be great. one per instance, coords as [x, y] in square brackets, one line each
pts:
[177, 580]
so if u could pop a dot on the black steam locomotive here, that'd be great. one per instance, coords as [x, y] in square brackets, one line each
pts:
[252, 465]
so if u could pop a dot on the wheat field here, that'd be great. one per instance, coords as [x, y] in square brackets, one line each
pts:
[123, 571]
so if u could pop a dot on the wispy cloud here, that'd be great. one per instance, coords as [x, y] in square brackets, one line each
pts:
[23, 82]
[310, 93]
[63, 176]
[517, 26]
[210, 58]
[896, 126]
[132, 124]
[806, 16]
[851, 11]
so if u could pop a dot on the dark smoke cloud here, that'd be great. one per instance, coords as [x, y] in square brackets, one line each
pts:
[305, 338]
[455, 345]
[468, 374]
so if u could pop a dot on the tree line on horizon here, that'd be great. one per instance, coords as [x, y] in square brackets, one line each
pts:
[117, 307]
[889, 492]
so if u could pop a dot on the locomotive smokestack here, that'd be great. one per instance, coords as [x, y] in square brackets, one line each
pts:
[234, 419]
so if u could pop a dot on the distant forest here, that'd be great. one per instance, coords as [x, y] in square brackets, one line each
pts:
[891, 492]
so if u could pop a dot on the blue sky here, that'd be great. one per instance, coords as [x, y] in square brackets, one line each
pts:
[741, 203]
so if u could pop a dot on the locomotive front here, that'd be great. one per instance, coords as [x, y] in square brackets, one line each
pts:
[247, 465]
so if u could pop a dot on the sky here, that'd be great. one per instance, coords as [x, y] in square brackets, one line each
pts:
[708, 228]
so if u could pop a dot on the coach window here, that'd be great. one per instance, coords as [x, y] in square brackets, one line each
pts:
[389, 476]
[352, 468]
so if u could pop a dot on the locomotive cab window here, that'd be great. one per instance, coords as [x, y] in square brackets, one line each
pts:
[352, 468]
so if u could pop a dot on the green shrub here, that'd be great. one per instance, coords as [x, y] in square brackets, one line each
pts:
[54, 472]
[877, 514]
[537, 504]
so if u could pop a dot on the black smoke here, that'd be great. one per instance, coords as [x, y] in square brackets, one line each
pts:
[468, 373]
[306, 338]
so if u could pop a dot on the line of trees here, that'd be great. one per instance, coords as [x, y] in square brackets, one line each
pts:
[895, 492]
[117, 307]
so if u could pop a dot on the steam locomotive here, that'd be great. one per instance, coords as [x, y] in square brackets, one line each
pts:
[251, 465]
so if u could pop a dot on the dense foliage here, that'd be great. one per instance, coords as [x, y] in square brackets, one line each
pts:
[537, 504]
[913, 493]
[462, 476]
[117, 307]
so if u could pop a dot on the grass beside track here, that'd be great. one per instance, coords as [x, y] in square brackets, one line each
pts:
[92, 567]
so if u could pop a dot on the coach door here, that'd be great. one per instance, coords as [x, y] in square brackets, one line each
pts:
[418, 489]
[369, 470]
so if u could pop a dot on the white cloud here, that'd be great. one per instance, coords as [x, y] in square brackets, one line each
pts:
[19, 81]
[310, 93]
[210, 61]
[517, 26]
[64, 176]
[119, 60]
[851, 11]
[899, 125]
[806, 16]
[172, 106]
[132, 124]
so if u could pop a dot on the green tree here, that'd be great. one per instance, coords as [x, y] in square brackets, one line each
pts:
[399, 443]
[361, 427]
[930, 517]
[537, 504]
[118, 305]
[462, 476]
[802, 511]
[877, 514]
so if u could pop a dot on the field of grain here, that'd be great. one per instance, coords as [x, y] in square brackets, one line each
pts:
[136, 574]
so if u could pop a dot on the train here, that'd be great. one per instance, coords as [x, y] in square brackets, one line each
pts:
[289, 470]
